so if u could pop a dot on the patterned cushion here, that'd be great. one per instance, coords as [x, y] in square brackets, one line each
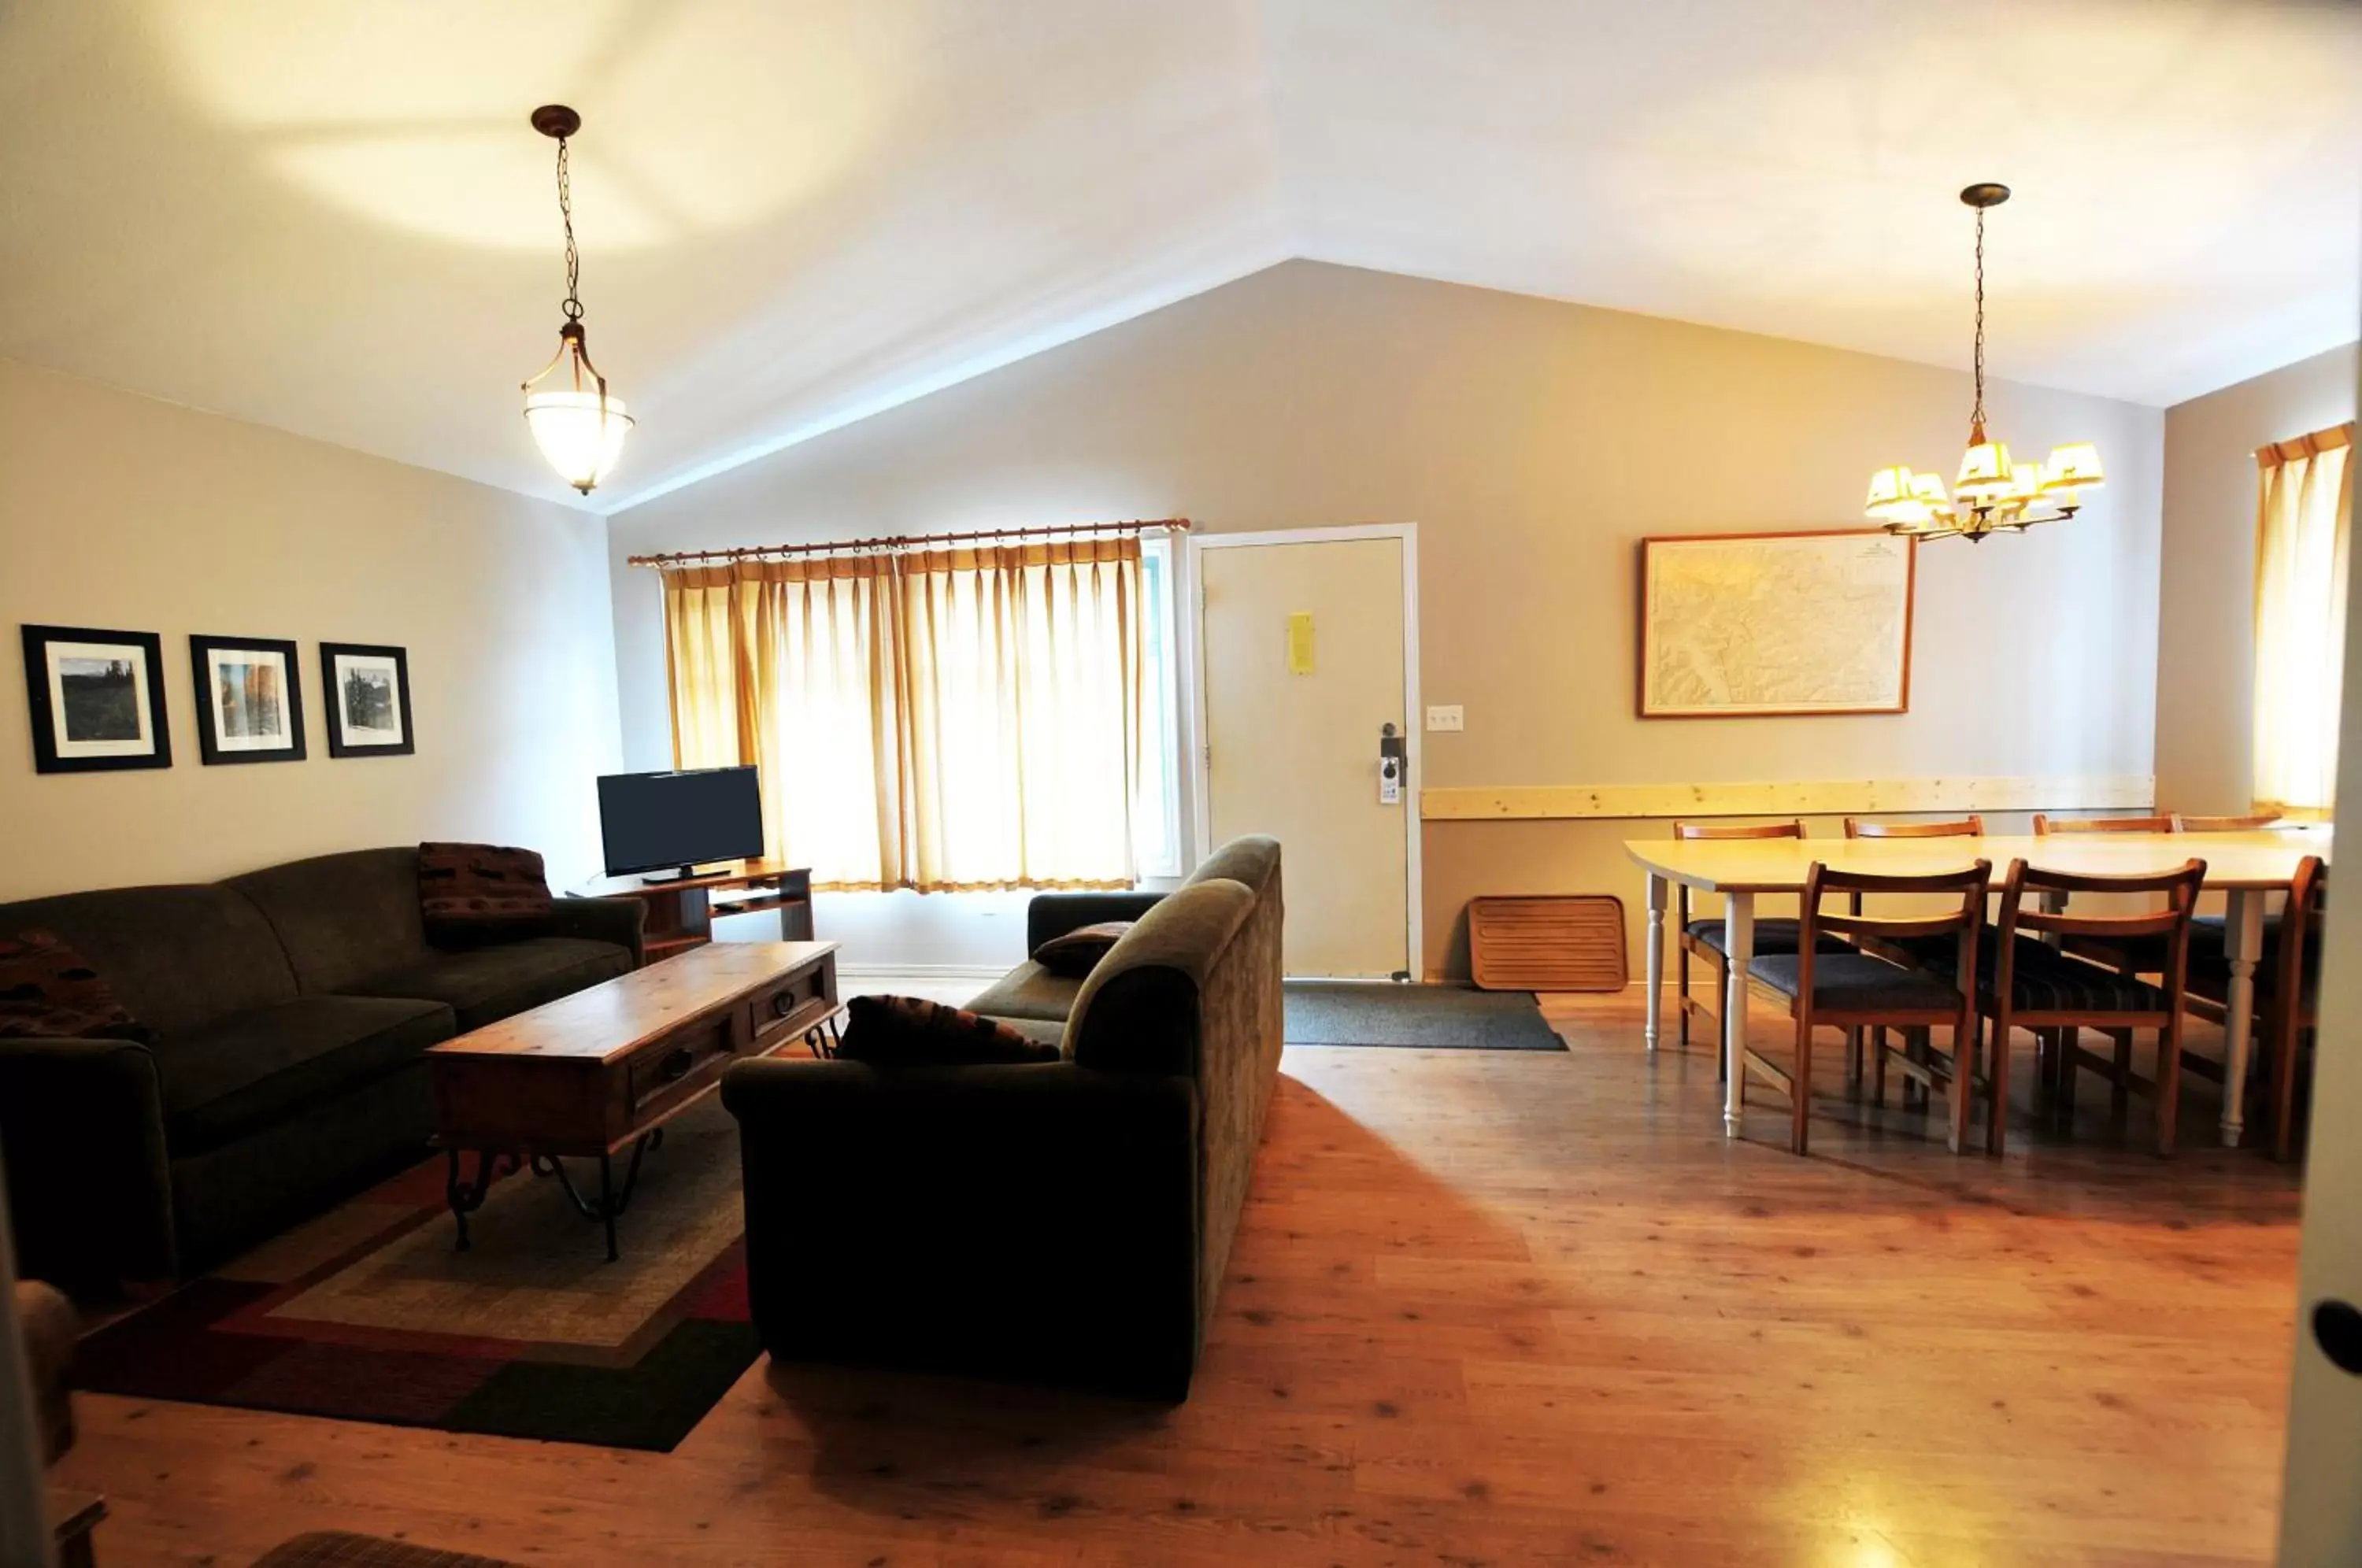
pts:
[48, 990]
[2043, 979]
[1858, 982]
[1770, 936]
[1075, 953]
[911, 1031]
[474, 890]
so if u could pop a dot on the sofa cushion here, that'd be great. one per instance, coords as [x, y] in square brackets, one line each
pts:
[479, 892]
[1029, 991]
[1248, 861]
[176, 956]
[343, 918]
[1139, 1009]
[261, 1066]
[911, 1032]
[50, 991]
[484, 985]
[1072, 954]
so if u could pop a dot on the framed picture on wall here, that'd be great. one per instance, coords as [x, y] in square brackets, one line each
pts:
[368, 700]
[249, 699]
[1750, 625]
[96, 699]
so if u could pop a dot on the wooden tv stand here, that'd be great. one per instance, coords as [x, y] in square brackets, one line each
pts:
[683, 909]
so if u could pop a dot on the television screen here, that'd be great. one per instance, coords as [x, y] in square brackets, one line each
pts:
[660, 821]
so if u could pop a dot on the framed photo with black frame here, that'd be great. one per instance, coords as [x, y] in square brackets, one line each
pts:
[368, 700]
[96, 699]
[249, 699]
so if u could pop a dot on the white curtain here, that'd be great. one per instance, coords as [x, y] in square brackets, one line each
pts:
[2303, 520]
[944, 720]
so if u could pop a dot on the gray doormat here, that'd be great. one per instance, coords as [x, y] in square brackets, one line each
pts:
[1435, 1017]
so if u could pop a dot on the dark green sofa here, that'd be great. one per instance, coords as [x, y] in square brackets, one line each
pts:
[291, 1007]
[1066, 1221]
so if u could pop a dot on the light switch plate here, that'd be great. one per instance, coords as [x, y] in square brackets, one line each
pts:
[1445, 718]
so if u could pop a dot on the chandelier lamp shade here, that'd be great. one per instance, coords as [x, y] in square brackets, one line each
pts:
[1992, 493]
[577, 423]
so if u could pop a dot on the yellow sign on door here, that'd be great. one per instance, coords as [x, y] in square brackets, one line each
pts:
[1300, 643]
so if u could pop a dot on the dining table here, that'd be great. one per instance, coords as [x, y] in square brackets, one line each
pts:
[2248, 867]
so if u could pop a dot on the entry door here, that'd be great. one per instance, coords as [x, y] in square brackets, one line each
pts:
[1302, 646]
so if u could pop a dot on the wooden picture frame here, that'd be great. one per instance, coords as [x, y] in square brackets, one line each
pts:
[1830, 611]
[249, 699]
[366, 688]
[96, 699]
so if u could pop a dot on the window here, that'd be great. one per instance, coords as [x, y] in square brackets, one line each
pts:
[2304, 517]
[1156, 804]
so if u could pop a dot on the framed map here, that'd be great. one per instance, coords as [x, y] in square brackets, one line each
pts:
[1734, 625]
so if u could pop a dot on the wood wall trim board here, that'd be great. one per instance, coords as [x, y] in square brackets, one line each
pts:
[1793, 798]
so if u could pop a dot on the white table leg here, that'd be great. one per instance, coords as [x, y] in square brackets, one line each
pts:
[2243, 940]
[1657, 888]
[1739, 948]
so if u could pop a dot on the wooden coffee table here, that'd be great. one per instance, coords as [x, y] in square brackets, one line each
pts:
[593, 1073]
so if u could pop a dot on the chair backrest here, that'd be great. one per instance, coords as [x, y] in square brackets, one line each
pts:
[2045, 826]
[1734, 830]
[2178, 887]
[1972, 883]
[1970, 826]
[2184, 823]
[2307, 900]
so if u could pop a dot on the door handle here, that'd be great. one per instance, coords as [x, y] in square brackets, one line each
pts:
[1390, 748]
[2337, 1330]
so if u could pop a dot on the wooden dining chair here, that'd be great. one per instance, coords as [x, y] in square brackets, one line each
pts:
[1702, 938]
[1851, 990]
[1970, 827]
[2286, 996]
[2184, 823]
[2030, 985]
[2046, 826]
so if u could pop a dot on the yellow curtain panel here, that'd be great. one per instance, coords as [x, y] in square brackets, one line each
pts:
[2303, 520]
[943, 720]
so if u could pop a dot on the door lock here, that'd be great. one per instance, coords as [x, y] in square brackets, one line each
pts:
[1392, 765]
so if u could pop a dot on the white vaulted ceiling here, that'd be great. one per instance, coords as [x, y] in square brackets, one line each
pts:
[332, 218]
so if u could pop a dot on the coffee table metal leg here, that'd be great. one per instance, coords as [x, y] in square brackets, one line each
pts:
[611, 1202]
[465, 1198]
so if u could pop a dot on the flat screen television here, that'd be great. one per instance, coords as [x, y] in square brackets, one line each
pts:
[673, 822]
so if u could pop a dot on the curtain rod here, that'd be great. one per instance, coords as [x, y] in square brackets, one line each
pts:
[911, 541]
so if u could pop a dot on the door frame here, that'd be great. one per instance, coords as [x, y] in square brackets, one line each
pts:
[1194, 661]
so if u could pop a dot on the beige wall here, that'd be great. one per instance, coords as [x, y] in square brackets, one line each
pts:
[121, 511]
[2206, 653]
[1533, 442]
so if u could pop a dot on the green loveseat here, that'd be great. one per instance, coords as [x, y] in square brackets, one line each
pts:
[291, 1008]
[1068, 1222]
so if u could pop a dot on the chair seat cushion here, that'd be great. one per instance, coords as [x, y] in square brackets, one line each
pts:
[1770, 936]
[1029, 991]
[256, 1068]
[484, 985]
[2043, 979]
[1856, 982]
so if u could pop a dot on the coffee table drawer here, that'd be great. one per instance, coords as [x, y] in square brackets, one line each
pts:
[800, 1000]
[687, 1060]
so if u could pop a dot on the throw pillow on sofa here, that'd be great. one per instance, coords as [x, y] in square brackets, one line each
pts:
[911, 1031]
[479, 892]
[1078, 953]
[50, 991]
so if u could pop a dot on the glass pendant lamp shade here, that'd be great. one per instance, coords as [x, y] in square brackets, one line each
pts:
[579, 433]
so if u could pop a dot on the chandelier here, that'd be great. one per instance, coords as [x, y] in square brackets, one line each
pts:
[578, 427]
[1991, 493]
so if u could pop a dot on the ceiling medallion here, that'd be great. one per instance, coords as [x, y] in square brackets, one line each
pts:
[578, 426]
[1992, 495]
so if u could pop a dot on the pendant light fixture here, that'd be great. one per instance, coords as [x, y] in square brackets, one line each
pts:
[578, 426]
[1991, 493]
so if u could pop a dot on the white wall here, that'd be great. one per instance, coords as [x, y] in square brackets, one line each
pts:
[121, 511]
[1535, 443]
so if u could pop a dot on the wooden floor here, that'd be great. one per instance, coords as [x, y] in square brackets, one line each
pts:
[1486, 1307]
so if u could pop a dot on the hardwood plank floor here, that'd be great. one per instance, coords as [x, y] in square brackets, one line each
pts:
[1485, 1307]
